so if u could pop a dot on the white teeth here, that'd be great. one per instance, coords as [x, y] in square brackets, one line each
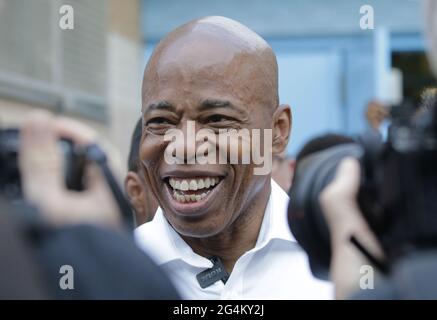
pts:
[207, 183]
[189, 197]
[184, 185]
[193, 185]
[177, 184]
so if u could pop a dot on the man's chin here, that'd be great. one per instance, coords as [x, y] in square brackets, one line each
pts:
[196, 230]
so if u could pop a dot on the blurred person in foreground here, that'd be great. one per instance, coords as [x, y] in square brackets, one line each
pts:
[142, 200]
[57, 229]
[414, 276]
[322, 142]
[411, 273]
[220, 231]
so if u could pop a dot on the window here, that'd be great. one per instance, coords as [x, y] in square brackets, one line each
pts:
[42, 64]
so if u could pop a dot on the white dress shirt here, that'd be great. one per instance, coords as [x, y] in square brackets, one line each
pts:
[276, 268]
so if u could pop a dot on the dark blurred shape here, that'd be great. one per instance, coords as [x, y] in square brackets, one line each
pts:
[106, 264]
[397, 192]
[416, 73]
[321, 143]
[306, 220]
[10, 184]
[76, 158]
[20, 275]
[413, 277]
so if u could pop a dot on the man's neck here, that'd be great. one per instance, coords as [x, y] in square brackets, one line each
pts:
[238, 238]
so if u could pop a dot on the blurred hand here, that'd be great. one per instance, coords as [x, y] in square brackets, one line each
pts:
[338, 202]
[42, 174]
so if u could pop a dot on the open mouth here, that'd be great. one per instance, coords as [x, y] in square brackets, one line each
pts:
[193, 190]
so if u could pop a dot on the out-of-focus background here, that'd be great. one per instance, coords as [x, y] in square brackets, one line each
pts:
[329, 68]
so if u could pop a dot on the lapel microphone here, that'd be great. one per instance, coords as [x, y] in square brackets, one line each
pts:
[210, 276]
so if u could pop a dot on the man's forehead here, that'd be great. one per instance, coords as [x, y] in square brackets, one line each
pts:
[210, 41]
[212, 52]
[194, 52]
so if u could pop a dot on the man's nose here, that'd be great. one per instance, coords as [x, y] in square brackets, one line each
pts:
[186, 148]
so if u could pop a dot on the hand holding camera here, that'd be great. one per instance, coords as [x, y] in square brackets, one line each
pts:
[344, 219]
[369, 202]
[43, 179]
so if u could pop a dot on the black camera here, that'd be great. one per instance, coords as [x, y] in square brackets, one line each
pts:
[10, 182]
[76, 159]
[397, 194]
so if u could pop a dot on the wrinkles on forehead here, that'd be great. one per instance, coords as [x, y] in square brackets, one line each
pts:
[215, 52]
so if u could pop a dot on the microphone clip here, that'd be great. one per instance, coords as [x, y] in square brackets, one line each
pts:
[210, 276]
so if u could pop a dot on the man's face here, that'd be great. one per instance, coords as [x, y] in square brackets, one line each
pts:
[218, 88]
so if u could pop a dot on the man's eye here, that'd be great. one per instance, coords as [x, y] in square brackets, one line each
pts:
[157, 120]
[217, 118]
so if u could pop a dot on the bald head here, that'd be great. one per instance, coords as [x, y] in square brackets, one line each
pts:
[217, 52]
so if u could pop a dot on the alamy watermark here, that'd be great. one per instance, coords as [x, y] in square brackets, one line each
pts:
[66, 282]
[367, 279]
[228, 146]
[66, 21]
[367, 20]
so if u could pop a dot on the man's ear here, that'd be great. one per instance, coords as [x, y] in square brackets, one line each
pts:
[135, 192]
[282, 122]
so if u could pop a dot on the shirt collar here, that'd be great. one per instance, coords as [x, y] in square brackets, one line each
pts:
[275, 222]
[165, 245]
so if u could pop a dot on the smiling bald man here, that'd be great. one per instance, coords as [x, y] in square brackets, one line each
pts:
[221, 230]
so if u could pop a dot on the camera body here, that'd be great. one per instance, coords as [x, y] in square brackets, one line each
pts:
[76, 159]
[10, 181]
[397, 194]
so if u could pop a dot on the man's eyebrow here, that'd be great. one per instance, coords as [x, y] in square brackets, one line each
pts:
[161, 105]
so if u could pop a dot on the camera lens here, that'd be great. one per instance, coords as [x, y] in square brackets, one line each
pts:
[313, 173]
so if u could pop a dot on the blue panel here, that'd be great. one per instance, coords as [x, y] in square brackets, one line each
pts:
[355, 70]
[310, 83]
[360, 88]
[408, 42]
